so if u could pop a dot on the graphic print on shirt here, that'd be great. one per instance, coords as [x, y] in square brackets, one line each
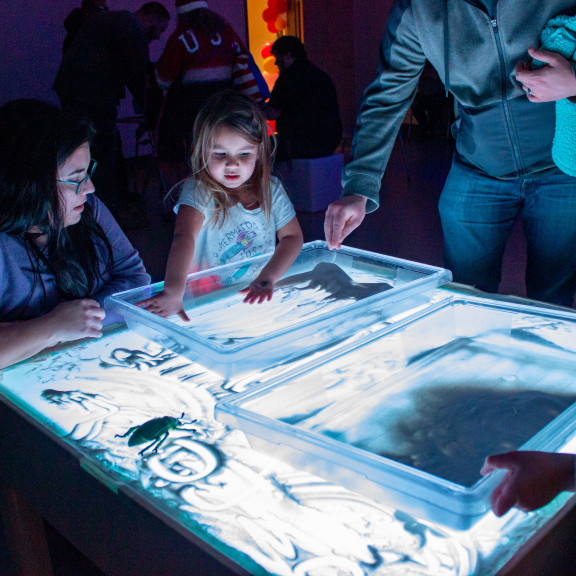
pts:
[184, 41]
[243, 242]
[192, 44]
[237, 244]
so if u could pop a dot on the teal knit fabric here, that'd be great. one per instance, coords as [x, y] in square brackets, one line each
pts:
[559, 36]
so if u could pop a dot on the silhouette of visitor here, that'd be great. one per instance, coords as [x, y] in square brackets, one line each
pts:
[110, 55]
[203, 56]
[303, 103]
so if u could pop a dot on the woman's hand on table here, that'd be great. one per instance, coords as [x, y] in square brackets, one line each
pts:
[76, 319]
[68, 321]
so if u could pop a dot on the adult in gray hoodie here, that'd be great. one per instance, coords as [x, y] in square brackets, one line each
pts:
[503, 164]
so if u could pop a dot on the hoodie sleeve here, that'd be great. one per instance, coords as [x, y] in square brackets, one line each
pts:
[384, 106]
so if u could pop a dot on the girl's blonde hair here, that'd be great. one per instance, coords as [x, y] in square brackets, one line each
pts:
[243, 115]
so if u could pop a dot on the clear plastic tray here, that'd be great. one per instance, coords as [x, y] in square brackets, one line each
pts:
[408, 416]
[326, 295]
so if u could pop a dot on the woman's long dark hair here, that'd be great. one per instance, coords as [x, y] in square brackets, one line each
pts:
[36, 138]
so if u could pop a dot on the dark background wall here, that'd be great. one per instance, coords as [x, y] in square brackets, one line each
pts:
[32, 33]
[341, 36]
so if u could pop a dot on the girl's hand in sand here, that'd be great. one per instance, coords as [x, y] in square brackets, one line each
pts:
[165, 304]
[259, 291]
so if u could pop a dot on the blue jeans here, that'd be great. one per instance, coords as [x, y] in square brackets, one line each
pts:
[478, 214]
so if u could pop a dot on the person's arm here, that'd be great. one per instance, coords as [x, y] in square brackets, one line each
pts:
[189, 221]
[134, 56]
[259, 77]
[555, 81]
[282, 96]
[68, 321]
[533, 479]
[385, 104]
[169, 64]
[290, 242]
[243, 75]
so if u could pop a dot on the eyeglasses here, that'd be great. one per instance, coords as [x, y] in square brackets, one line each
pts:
[80, 184]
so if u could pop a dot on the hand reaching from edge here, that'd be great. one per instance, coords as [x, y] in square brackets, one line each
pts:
[533, 479]
[555, 81]
[342, 217]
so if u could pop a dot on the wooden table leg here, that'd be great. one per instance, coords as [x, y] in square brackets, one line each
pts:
[25, 536]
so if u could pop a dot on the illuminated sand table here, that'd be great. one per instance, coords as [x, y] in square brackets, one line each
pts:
[265, 515]
[325, 296]
[286, 521]
[227, 321]
[436, 398]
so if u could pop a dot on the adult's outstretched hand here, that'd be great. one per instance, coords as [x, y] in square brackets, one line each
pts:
[342, 217]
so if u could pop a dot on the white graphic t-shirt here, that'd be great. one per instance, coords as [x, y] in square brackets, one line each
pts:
[244, 235]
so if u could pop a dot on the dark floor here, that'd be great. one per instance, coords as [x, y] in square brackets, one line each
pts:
[407, 225]
[66, 560]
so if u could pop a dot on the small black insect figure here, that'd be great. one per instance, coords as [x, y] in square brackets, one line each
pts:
[156, 431]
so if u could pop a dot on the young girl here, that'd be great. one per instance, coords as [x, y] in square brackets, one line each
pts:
[231, 208]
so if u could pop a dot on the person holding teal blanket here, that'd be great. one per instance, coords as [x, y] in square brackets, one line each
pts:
[503, 167]
[559, 36]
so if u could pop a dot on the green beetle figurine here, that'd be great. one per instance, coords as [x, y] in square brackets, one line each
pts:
[154, 431]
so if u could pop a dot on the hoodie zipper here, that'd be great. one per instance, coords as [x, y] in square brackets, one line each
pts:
[505, 104]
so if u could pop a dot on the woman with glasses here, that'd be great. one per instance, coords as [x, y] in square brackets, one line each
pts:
[61, 251]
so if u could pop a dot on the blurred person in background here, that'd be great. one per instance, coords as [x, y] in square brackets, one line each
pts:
[109, 55]
[202, 57]
[78, 17]
[303, 103]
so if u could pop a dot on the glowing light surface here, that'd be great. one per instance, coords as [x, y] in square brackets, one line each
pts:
[211, 482]
[438, 394]
[299, 298]
[508, 383]
[325, 296]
